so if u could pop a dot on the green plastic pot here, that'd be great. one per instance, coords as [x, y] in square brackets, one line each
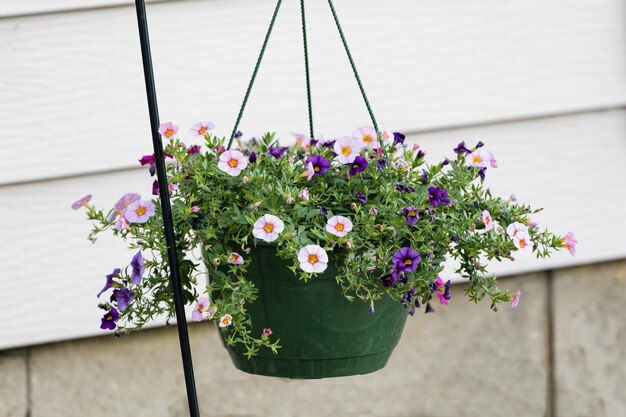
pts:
[322, 334]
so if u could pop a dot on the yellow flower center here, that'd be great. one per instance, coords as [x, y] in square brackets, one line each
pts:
[226, 320]
[169, 132]
[233, 258]
[339, 227]
[477, 159]
[141, 210]
[346, 150]
[269, 227]
[110, 318]
[313, 259]
[411, 213]
[368, 139]
[202, 130]
[233, 163]
[522, 243]
[408, 262]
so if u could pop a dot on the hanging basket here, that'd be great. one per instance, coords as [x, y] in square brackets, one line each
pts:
[322, 334]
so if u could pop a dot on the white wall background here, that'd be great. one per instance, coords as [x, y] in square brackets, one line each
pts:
[542, 83]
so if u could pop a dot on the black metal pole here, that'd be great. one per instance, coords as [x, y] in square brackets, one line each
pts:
[168, 224]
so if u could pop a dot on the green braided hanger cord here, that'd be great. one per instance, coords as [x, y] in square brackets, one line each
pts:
[356, 73]
[254, 73]
[306, 67]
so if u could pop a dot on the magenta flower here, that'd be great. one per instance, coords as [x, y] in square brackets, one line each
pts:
[444, 296]
[109, 283]
[124, 297]
[168, 130]
[138, 268]
[155, 187]
[109, 319]
[319, 164]
[411, 215]
[139, 211]
[358, 165]
[199, 129]
[195, 209]
[83, 202]
[194, 149]
[267, 332]
[569, 241]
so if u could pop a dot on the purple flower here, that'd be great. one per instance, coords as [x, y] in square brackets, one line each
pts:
[277, 152]
[461, 149]
[252, 157]
[480, 144]
[404, 188]
[381, 164]
[194, 149]
[328, 143]
[421, 154]
[438, 196]
[445, 162]
[323, 211]
[429, 309]
[109, 283]
[109, 319]
[358, 165]
[481, 173]
[138, 268]
[155, 187]
[123, 296]
[238, 134]
[361, 197]
[455, 238]
[405, 259]
[407, 297]
[424, 176]
[320, 164]
[410, 214]
[398, 137]
[313, 142]
[83, 202]
[151, 160]
[389, 280]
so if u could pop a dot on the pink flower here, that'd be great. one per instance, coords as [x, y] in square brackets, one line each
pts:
[267, 332]
[268, 228]
[139, 211]
[121, 224]
[313, 259]
[168, 130]
[338, 226]
[515, 299]
[303, 141]
[367, 136]
[347, 149]
[232, 163]
[386, 134]
[523, 243]
[195, 209]
[235, 259]
[200, 308]
[172, 187]
[569, 241]
[304, 194]
[487, 220]
[226, 320]
[199, 129]
[120, 205]
[481, 158]
[514, 228]
[83, 202]
[309, 173]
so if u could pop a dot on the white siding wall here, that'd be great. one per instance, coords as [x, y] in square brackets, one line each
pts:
[542, 83]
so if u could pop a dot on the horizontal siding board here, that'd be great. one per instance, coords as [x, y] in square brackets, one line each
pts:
[74, 102]
[18, 8]
[50, 274]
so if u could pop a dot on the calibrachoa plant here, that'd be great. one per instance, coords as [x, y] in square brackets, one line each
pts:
[367, 203]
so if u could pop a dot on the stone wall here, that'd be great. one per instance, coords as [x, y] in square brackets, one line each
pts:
[562, 353]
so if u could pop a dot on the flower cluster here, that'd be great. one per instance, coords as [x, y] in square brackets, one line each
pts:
[367, 203]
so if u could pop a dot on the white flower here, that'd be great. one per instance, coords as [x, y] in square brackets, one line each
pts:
[523, 243]
[313, 259]
[367, 136]
[347, 149]
[514, 228]
[226, 320]
[232, 163]
[487, 220]
[268, 228]
[338, 225]
[235, 259]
